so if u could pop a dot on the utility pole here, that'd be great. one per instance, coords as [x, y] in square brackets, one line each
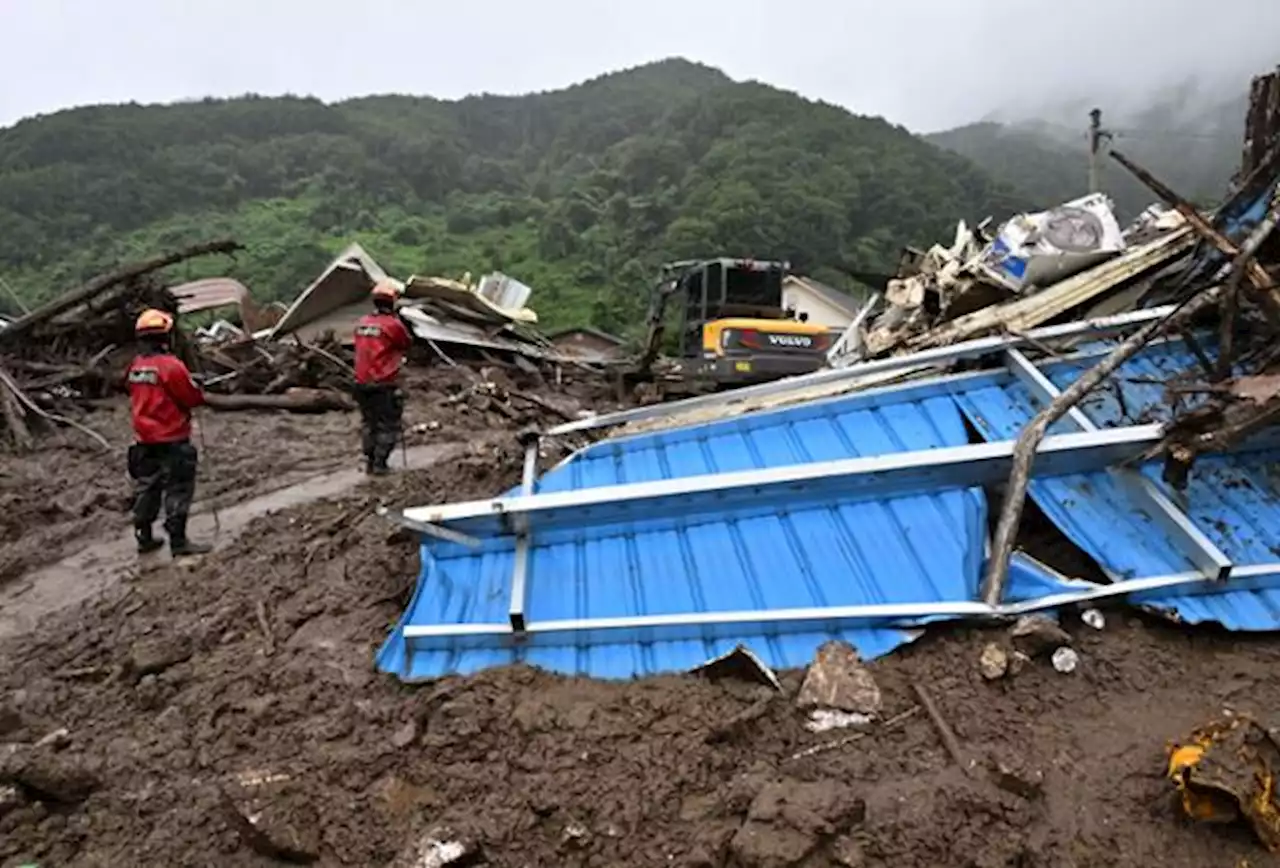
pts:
[1097, 135]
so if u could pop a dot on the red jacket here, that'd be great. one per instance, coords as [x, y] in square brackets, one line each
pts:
[381, 340]
[161, 398]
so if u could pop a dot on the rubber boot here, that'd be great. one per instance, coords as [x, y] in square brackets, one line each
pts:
[183, 547]
[147, 541]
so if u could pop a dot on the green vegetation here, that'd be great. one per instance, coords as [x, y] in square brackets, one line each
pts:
[579, 193]
[1193, 150]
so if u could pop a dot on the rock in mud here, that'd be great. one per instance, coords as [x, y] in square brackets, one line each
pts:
[1094, 618]
[10, 720]
[1038, 635]
[153, 656]
[51, 777]
[11, 799]
[149, 694]
[1065, 660]
[994, 662]
[789, 821]
[837, 679]
[439, 848]
[575, 837]
[847, 853]
[1015, 776]
[405, 735]
[283, 829]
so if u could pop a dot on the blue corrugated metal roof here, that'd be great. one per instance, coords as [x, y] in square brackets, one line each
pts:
[830, 556]
[1233, 499]
[921, 548]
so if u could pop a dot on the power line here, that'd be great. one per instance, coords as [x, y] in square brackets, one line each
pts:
[1131, 132]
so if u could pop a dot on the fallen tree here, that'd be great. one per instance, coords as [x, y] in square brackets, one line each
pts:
[100, 284]
[296, 400]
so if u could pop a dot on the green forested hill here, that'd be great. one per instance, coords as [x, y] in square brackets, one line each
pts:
[1194, 150]
[578, 192]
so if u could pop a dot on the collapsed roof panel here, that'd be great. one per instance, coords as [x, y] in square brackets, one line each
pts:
[344, 282]
[798, 555]
[208, 294]
[1033, 310]
[830, 555]
[467, 303]
[429, 328]
[1231, 504]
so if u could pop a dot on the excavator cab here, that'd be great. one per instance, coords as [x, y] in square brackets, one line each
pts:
[733, 329]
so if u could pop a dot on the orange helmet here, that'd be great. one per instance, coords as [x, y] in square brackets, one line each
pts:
[153, 322]
[384, 291]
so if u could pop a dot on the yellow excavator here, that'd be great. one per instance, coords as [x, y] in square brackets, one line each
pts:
[733, 327]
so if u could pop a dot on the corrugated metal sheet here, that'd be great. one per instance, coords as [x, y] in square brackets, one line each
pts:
[344, 281]
[1234, 499]
[209, 293]
[922, 548]
[835, 555]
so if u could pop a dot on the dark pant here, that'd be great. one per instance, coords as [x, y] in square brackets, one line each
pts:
[163, 473]
[381, 408]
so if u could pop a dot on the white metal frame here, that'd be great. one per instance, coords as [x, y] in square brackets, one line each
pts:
[850, 340]
[900, 472]
[520, 569]
[698, 626]
[1144, 493]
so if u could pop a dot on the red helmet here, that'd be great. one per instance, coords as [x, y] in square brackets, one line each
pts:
[153, 322]
[385, 291]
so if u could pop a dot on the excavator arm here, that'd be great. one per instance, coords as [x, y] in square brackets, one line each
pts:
[656, 326]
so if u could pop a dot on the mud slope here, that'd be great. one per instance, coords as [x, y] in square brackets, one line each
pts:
[244, 686]
[146, 725]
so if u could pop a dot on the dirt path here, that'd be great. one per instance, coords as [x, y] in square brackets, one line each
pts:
[108, 559]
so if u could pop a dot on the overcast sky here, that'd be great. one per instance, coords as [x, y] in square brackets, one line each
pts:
[928, 64]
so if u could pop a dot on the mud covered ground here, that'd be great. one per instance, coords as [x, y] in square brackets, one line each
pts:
[54, 502]
[148, 725]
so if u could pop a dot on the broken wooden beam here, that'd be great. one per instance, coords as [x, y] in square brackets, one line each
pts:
[297, 400]
[13, 413]
[10, 387]
[103, 282]
[1262, 122]
[1029, 439]
[1268, 296]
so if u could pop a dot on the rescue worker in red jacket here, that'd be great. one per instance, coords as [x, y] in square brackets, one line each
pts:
[162, 462]
[381, 340]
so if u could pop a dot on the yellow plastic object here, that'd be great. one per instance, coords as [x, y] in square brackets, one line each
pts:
[1225, 771]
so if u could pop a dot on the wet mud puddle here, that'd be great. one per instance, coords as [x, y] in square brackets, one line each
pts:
[101, 564]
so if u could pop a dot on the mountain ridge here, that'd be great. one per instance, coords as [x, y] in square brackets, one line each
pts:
[579, 192]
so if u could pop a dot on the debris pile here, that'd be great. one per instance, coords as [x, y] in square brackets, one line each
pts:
[1035, 268]
[70, 353]
[1225, 771]
[75, 346]
[486, 322]
[1074, 261]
